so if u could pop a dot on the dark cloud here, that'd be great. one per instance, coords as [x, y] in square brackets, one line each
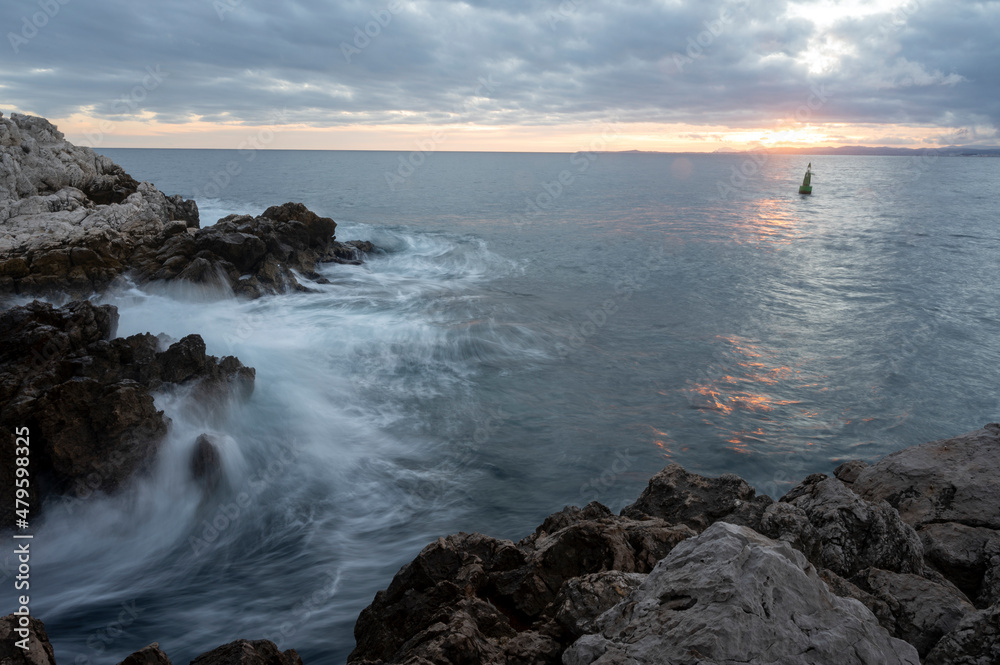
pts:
[720, 62]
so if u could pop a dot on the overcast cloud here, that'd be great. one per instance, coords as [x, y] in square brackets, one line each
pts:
[931, 63]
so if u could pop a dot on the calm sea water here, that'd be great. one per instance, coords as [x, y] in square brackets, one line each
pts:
[542, 330]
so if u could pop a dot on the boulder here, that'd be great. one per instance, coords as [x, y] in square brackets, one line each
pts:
[922, 611]
[87, 399]
[839, 530]
[950, 492]
[248, 652]
[951, 480]
[681, 497]
[732, 595]
[39, 650]
[250, 255]
[149, 655]
[974, 641]
[471, 598]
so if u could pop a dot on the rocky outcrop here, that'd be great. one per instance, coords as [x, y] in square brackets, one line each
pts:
[471, 594]
[87, 399]
[70, 219]
[73, 221]
[949, 492]
[732, 595]
[240, 652]
[248, 652]
[834, 572]
[250, 255]
[14, 630]
[975, 641]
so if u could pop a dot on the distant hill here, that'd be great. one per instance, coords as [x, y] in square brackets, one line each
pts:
[951, 150]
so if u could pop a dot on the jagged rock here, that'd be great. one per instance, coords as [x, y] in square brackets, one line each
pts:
[732, 595]
[471, 596]
[582, 599]
[922, 611]
[950, 492]
[248, 652]
[206, 462]
[848, 472]
[839, 530]
[73, 221]
[70, 218]
[951, 480]
[87, 399]
[149, 655]
[975, 641]
[968, 556]
[251, 255]
[681, 497]
[39, 649]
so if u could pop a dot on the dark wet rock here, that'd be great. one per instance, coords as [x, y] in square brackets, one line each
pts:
[39, 649]
[732, 595]
[248, 652]
[950, 492]
[922, 611]
[582, 599]
[471, 596]
[952, 480]
[974, 641]
[839, 530]
[149, 655]
[206, 462]
[682, 497]
[250, 255]
[86, 399]
[848, 472]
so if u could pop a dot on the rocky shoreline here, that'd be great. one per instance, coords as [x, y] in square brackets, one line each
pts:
[894, 562]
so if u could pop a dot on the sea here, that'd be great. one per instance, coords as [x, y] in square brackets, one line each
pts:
[537, 330]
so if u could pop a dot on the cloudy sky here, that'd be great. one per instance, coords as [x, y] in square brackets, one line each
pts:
[505, 75]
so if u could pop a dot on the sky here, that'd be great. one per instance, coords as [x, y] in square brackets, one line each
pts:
[511, 75]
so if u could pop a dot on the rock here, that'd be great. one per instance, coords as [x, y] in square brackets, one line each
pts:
[206, 462]
[39, 649]
[582, 599]
[952, 480]
[975, 641]
[839, 530]
[251, 255]
[471, 598]
[950, 492]
[848, 472]
[70, 218]
[681, 497]
[731, 595]
[149, 655]
[969, 556]
[922, 611]
[87, 400]
[72, 221]
[248, 652]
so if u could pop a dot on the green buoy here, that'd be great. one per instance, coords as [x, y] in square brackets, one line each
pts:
[806, 187]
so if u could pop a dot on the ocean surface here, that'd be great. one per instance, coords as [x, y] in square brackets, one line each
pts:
[541, 330]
